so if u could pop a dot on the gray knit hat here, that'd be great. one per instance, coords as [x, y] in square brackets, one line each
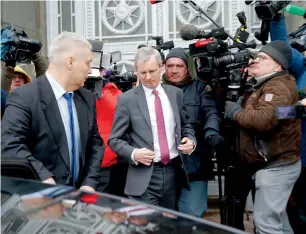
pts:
[178, 53]
[280, 51]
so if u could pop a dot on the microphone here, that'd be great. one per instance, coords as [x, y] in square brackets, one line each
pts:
[295, 10]
[189, 32]
[155, 1]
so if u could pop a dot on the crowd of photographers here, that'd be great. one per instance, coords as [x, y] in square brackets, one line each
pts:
[271, 147]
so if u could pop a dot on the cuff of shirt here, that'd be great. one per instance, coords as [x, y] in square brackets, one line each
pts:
[132, 157]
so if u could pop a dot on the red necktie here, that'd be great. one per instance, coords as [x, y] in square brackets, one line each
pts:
[162, 136]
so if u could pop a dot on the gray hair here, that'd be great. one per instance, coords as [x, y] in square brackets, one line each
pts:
[145, 53]
[64, 43]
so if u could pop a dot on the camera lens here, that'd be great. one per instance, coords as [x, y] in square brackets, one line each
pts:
[23, 56]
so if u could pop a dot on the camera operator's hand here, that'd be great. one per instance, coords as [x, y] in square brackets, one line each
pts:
[303, 102]
[216, 142]
[231, 108]
[220, 149]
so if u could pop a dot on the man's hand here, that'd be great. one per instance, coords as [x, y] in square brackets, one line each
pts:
[144, 156]
[49, 181]
[231, 108]
[303, 102]
[187, 146]
[87, 188]
[216, 142]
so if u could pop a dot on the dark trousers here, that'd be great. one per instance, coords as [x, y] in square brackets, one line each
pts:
[112, 179]
[162, 189]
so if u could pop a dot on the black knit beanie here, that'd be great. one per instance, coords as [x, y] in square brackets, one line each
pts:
[280, 51]
[178, 53]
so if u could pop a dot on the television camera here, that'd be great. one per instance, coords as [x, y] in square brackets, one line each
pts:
[221, 65]
[266, 10]
[17, 46]
[215, 63]
[104, 70]
[124, 81]
[160, 45]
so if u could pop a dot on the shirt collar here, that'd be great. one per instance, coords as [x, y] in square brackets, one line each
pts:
[149, 91]
[58, 90]
[264, 76]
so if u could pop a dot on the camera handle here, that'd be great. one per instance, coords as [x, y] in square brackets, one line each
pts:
[197, 8]
[263, 35]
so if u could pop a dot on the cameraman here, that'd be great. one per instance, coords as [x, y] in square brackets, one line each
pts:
[7, 73]
[14, 40]
[203, 116]
[298, 70]
[269, 149]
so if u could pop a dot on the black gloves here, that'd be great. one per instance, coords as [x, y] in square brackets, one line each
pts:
[216, 142]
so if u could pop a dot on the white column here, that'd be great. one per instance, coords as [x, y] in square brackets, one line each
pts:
[52, 25]
[89, 19]
[80, 17]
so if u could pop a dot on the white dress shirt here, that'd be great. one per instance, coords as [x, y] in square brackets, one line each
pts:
[168, 118]
[63, 107]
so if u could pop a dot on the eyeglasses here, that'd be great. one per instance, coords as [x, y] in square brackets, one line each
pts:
[262, 58]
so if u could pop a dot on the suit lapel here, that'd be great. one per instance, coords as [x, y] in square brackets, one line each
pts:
[53, 116]
[172, 98]
[142, 103]
[83, 121]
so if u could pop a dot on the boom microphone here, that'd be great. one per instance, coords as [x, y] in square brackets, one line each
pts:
[295, 10]
[190, 32]
[156, 1]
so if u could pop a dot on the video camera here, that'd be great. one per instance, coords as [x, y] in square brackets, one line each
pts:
[123, 81]
[160, 45]
[213, 60]
[17, 47]
[104, 70]
[266, 10]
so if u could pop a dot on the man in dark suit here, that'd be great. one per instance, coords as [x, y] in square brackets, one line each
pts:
[151, 130]
[52, 121]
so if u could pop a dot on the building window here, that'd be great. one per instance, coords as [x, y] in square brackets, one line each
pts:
[66, 15]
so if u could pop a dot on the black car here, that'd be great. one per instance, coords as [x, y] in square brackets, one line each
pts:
[32, 207]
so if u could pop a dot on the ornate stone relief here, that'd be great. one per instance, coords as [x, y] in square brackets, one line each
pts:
[120, 16]
[187, 15]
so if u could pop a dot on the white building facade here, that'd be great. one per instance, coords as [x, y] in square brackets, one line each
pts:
[124, 24]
